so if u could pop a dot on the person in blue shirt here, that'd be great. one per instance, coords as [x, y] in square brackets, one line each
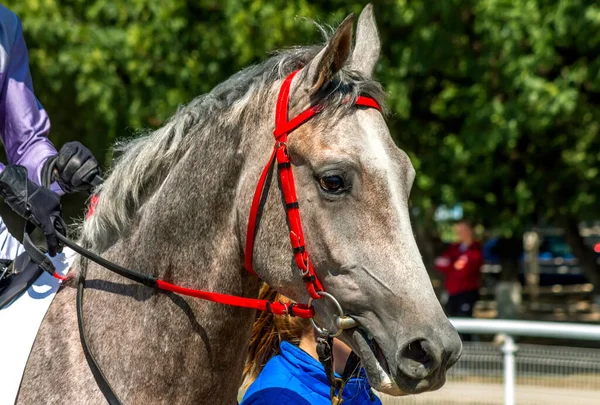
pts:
[283, 367]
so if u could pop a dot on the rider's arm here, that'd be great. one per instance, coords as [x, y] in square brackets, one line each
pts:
[24, 124]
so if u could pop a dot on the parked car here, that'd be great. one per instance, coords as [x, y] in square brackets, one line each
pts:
[557, 263]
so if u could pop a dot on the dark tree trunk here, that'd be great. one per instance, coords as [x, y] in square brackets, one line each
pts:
[430, 245]
[585, 255]
[508, 290]
[509, 251]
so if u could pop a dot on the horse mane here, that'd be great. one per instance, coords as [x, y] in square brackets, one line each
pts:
[143, 163]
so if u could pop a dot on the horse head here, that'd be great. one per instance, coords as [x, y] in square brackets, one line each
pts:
[353, 185]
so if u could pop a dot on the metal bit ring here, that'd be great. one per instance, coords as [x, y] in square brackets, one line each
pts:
[342, 321]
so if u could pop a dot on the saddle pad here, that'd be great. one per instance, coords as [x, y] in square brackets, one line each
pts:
[19, 324]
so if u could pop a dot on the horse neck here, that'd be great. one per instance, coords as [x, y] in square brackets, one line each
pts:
[187, 233]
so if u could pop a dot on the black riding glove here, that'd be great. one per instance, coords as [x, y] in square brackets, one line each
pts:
[35, 203]
[76, 167]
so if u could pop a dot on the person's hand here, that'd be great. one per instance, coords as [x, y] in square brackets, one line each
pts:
[76, 168]
[442, 262]
[35, 203]
[461, 262]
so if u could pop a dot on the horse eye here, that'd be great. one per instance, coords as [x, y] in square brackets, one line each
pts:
[332, 184]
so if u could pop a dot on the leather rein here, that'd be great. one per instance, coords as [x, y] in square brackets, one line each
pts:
[279, 156]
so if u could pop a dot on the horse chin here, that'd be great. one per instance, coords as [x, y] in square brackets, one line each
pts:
[375, 364]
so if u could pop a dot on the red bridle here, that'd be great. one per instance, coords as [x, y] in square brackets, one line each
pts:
[283, 127]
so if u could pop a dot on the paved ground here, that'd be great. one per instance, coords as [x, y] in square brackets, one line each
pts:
[454, 393]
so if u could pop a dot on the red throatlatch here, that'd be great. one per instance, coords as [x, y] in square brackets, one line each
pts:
[283, 128]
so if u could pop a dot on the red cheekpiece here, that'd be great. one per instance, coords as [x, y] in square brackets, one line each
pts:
[283, 128]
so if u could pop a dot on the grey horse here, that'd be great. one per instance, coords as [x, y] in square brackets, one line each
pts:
[176, 205]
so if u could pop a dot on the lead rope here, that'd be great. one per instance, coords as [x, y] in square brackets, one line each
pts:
[336, 384]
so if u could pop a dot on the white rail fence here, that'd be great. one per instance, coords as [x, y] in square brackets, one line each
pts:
[530, 374]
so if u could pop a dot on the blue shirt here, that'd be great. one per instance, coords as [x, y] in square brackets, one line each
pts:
[293, 377]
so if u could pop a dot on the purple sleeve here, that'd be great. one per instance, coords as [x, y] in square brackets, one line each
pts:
[24, 124]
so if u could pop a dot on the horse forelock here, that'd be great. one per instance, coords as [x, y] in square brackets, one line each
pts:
[143, 163]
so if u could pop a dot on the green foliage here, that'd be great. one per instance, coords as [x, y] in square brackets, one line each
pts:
[496, 101]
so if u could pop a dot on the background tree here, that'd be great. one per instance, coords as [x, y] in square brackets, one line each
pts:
[496, 101]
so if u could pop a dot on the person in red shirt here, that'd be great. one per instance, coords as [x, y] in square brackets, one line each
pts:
[461, 264]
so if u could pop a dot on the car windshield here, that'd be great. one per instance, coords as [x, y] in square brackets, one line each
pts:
[556, 246]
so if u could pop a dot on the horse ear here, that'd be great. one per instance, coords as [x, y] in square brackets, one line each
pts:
[367, 48]
[330, 60]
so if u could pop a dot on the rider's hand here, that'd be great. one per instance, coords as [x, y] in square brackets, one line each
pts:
[35, 203]
[76, 168]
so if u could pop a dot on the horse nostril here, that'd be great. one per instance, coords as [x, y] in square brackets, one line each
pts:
[417, 352]
[419, 359]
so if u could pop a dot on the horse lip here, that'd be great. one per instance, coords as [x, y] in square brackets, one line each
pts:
[371, 356]
[378, 371]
